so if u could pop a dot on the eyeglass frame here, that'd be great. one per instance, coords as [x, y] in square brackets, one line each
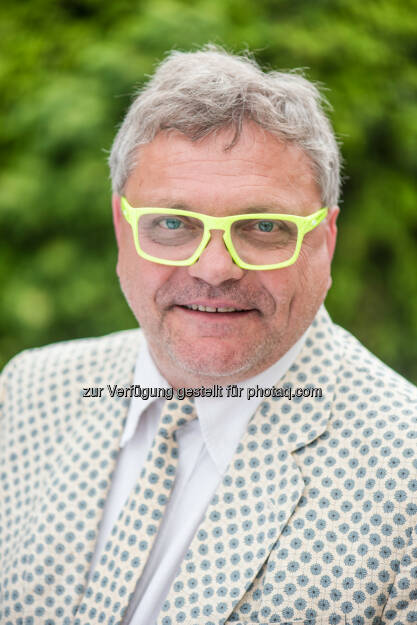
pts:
[304, 225]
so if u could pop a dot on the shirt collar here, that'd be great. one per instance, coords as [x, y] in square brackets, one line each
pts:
[146, 378]
[223, 420]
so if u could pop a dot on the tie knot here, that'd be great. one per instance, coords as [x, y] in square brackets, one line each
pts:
[175, 413]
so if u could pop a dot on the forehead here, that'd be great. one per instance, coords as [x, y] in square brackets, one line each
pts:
[259, 171]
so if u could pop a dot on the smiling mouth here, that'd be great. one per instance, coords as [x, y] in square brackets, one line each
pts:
[211, 309]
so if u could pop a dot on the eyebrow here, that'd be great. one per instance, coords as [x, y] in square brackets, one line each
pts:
[268, 208]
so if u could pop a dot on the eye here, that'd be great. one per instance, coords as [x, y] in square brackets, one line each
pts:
[170, 223]
[265, 226]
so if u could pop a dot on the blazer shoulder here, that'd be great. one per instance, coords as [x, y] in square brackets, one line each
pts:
[92, 352]
[363, 369]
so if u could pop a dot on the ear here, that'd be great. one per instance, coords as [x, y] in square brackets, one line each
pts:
[331, 235]
[117, 216]
[332, 229]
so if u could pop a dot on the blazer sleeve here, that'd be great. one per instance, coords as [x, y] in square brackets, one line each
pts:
[401, 604]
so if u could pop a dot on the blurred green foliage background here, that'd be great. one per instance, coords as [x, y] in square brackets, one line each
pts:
[67, 72]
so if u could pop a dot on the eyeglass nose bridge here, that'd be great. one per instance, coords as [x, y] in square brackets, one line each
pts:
[218, 223]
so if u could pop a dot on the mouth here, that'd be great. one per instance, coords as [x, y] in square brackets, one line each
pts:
[222, 313]
[212, 309]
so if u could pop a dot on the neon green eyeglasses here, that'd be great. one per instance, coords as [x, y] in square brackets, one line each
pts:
[257, 241]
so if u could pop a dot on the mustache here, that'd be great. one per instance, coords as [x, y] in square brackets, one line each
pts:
[237, 295]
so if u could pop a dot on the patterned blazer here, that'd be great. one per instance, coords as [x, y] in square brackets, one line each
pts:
[313, 523]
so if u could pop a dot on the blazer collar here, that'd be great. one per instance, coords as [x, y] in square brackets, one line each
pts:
[302, 420]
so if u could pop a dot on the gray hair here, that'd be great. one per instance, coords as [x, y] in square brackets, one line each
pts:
[200, 92]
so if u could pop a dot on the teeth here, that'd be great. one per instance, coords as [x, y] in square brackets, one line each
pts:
[212, 310]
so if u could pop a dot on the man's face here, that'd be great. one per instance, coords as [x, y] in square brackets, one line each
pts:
[193, 347]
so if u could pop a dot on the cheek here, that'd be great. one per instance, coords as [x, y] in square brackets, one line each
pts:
[279, 286]
[140, 280]
[313, 271]
[307, 278]
[282, 283]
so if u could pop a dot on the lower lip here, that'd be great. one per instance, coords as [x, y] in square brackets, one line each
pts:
[217, 316]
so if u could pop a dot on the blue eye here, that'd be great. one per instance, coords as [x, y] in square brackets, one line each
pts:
[171, 223]
[265, 226]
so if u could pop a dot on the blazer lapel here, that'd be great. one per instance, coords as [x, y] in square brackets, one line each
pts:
[258, 493]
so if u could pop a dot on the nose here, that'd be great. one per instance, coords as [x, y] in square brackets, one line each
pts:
[215, 265]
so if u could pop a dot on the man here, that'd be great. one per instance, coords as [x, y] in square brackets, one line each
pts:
[278, 484]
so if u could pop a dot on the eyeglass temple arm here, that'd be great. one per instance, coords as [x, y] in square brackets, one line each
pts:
[315, 219]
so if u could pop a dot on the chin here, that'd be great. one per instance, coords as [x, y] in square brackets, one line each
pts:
[211, 362]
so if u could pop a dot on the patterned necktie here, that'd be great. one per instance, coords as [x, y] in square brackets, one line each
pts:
[125, 554]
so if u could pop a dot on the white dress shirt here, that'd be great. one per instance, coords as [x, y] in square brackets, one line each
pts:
[206, 446]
